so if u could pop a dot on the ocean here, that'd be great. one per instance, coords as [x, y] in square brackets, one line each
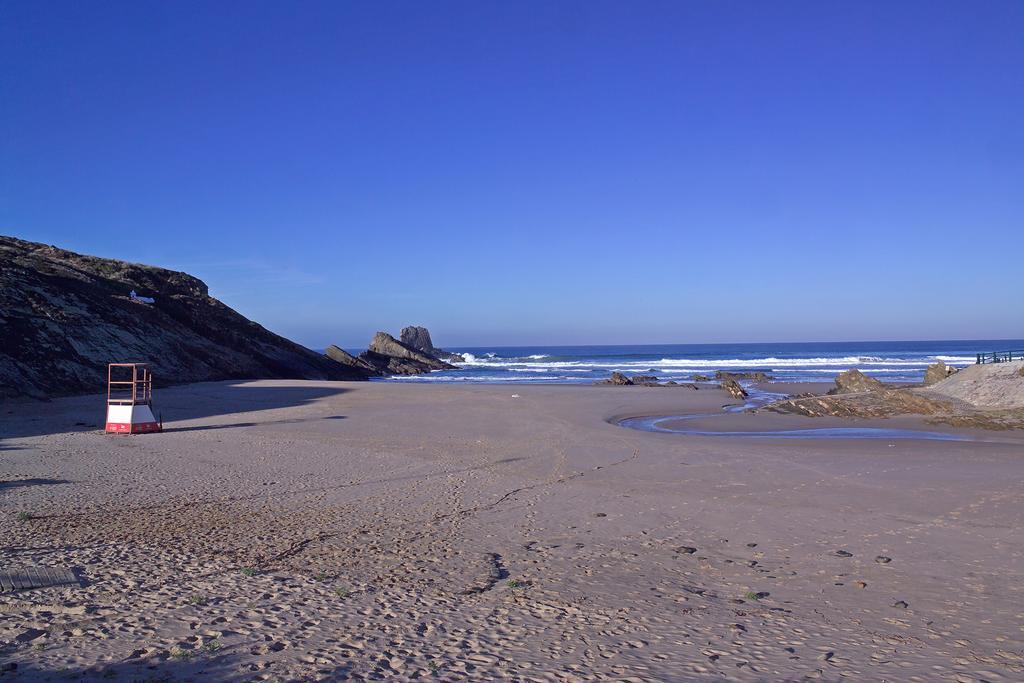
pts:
[903, 361]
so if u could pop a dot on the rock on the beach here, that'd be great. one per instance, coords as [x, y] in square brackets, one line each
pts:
[701, 378]
[617, 379]
[854, 381]
[980, 396]
[646, 380]
[936, 372]
[880, 403]
[733, 388]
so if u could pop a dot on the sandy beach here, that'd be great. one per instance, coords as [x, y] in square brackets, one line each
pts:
[290, 530]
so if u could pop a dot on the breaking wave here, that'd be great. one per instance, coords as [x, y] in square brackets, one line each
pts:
[895, 362]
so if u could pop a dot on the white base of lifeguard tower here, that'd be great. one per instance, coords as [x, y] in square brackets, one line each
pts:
[130, 399]
[131, 420]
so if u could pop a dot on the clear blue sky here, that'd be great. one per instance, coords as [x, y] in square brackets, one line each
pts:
[536, 172]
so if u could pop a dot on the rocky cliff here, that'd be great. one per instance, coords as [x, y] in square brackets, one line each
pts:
[64, 316]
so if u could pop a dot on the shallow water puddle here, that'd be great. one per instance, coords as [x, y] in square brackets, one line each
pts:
[656, 424]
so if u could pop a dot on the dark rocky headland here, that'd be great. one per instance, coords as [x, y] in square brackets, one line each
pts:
[64, 316]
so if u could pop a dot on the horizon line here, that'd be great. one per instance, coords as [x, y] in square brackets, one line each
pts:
[750, 343]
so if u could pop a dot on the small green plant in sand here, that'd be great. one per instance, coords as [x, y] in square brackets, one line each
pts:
[212, 645]
[320, 576]
[751, 595]
[248, 571]
[516, 583]
[341, 592]
[197, 599]
[39, 647]
[178, 653]
[24, 516]
[432, 665]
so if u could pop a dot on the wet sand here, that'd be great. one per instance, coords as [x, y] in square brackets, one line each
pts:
[317, 531]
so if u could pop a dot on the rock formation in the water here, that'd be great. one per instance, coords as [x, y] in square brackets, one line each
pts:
[340, 355]
[854, 381]
[617, 379]
[936, 372]
[755, 375]
[389, 356]
[64, 316]
[733, 388]
[418, 337]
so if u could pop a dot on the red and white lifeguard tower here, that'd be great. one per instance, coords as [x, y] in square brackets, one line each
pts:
[130, 399]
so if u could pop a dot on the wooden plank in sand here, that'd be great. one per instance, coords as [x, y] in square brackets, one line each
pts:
[28, 578]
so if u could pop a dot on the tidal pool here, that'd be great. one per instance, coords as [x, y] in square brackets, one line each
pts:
[657, 423]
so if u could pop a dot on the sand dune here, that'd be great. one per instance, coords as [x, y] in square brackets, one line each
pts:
[316, 531]
[996, 386]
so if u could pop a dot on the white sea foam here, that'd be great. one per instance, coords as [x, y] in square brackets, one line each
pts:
[769, 362]
[556, 367]
[478, 378]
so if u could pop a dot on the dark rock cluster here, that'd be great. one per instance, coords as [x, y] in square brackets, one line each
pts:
[754, 375]
[854, 382]
[733, 388]
[342, 356]
[388, 356]
[620, 380]
[391, 357]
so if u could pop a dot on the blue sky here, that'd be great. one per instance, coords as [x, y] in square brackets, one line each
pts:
[517, 173]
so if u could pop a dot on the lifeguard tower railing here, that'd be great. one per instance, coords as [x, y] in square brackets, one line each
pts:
[129, 384]
[999, 357]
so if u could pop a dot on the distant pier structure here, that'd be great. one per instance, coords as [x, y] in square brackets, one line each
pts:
[999, 357]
